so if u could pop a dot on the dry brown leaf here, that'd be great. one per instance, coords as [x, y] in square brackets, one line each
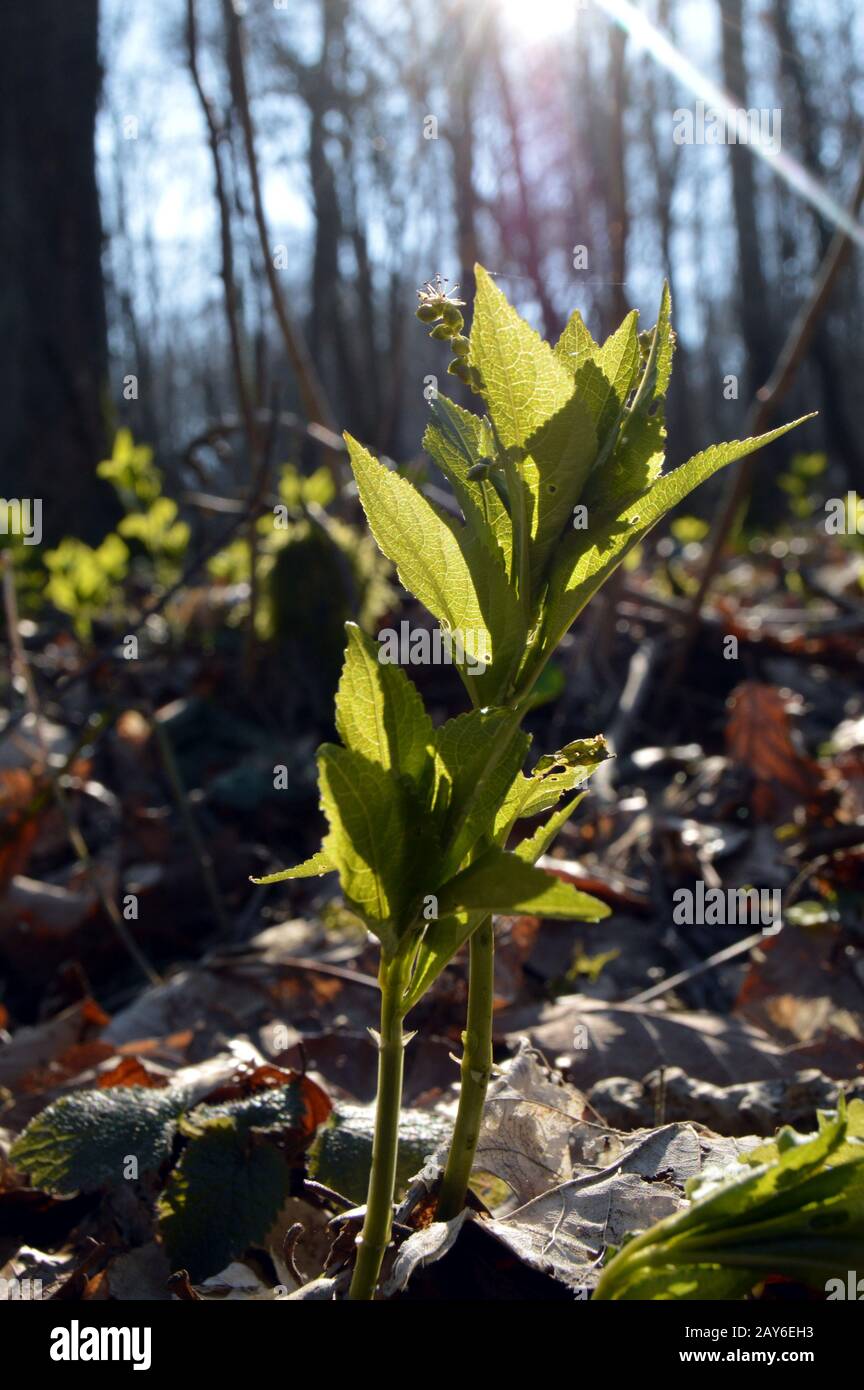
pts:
[759, 736]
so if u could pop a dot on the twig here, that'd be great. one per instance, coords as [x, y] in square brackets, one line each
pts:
[719, 958]
[640, 677]
[289, 1250]
[214, 136]
[256, 455]
[196, 840]
[309, 385]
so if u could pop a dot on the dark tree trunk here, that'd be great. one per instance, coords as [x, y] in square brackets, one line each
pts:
[53, 340]
[839, 422]
[753, 307]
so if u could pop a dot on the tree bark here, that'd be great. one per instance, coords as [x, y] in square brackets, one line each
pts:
[53, 344]
[753, 307]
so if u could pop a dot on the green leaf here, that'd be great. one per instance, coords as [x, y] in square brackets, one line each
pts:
[320, 863]
[604, 375]
[501, 882]
[559, 458]
[552, 775]
[799, 1214]
[588, 559]
[477, 755]
[379, 712]
[83, 1142]
[379, 841]
[458, 441]
[531, 848]
[443, 939]
[341, 1156]
[432, 562]
[637, 455]
[541, 421]
[576, 346]
[224, 1195]
[503, 615]
[523, 383]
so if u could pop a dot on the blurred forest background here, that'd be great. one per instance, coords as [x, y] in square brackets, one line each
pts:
[214, 220]
[234, 204]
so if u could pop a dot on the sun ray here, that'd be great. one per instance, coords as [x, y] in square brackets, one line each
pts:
[655, 42]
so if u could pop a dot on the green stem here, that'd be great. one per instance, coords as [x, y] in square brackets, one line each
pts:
[476, 1070]
[377, 1225]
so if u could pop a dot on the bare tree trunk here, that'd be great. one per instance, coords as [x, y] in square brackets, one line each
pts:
[53, 344]
[679, 408]
[311, 391]
[843, 437]
[526, 222]
[465, 55]
[617, 173]
[753, 306]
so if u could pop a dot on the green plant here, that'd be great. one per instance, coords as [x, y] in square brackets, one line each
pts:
[313, 572]
[219, 1167]
[151, 519]
[84, 579]
[556, 483]
[793, 1207]
[131, 472]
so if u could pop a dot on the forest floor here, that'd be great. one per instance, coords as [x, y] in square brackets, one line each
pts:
[631, 1052]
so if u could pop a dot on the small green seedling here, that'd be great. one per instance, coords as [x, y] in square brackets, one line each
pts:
[419, 818]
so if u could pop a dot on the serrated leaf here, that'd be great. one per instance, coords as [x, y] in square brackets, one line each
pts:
[559, 458]
[379, 712]
[523, 383]
[82, 1142]
[501, 882]
[531, 848]
[431, 562]
[380, 843]
[637, 456]
[539, 417]
[478, 755]
[456, 439]
[576, 346]
[319, 863]
[604, 376]
[587, 560]
[502, 613]
[552, 775]
[223, 1195]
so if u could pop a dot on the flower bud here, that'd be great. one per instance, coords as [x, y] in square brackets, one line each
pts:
[459, 367]
[460, 346]
[442, 331]
[452, 316]
[428, 313]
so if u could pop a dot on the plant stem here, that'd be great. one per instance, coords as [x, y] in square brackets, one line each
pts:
[377, 1225]
[476, 1070]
